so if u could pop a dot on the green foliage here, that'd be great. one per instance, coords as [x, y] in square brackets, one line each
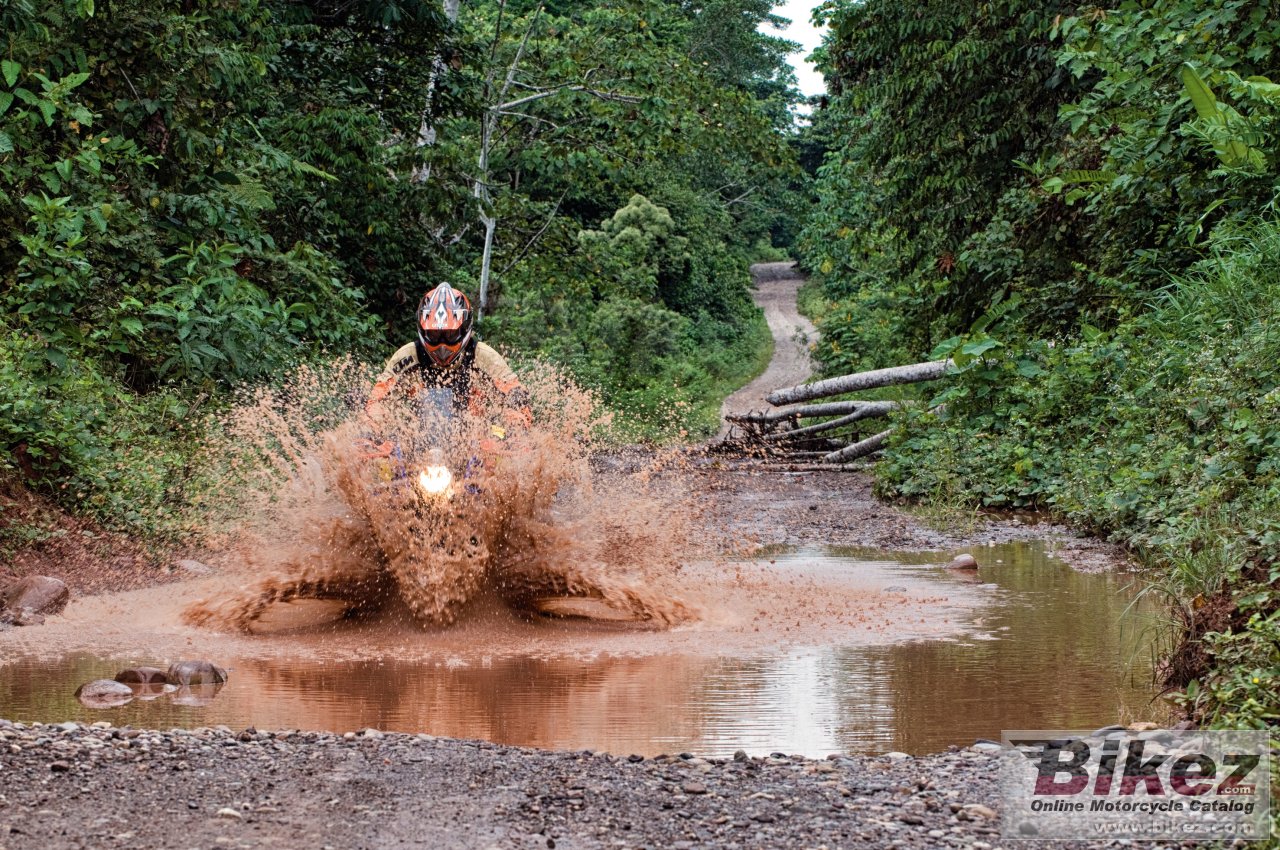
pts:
[1078, 205]
[1168, 415]
[1169, 113]
[117, 457]
[931, 108]
[650, 308]
[1127, 136]
[1163, 433]
[196, 197]
[1244, 692]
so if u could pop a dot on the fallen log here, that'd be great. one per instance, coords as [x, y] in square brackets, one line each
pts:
[780, 465]
[804, 411]
[861, 381]
[859, 449]
[868, 410]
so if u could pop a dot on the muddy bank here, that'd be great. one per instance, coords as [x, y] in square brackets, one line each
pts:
[37, 537]
[75, 786]
[761, 506]
[79, 787]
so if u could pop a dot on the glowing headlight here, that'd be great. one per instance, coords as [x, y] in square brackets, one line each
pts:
[435, 480]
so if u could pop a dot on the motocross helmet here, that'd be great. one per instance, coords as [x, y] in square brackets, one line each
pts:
[445, 324]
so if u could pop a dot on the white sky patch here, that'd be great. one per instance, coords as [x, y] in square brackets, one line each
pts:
[803, 31]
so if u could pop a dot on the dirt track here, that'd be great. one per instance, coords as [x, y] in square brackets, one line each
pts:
[79, 787]
[85, 787]
[776, 287]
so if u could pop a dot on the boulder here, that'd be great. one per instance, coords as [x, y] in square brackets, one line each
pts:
[963, 562]
[104, 693]
[192, 567]
[40, 594]
[143, 676]
[20, 617]
[197, 672]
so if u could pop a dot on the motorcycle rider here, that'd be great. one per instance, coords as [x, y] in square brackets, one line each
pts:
[447, 353]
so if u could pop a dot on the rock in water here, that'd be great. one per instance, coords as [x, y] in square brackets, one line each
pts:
[20, 617]
[41, 594]
[143, 676]
[104, 693]
[196, 673]
[963, 562]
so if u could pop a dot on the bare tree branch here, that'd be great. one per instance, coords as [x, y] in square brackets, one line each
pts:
[536, 236]
[602, 95]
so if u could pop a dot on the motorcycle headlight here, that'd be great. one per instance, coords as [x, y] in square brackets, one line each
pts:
[435, 480]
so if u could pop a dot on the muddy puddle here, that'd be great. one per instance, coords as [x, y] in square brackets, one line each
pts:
[812, 652]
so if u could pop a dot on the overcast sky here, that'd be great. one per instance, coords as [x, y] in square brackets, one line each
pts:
[807, 35]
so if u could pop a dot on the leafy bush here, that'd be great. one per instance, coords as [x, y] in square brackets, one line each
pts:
[1163, 433]
[200, 195]
[652, 309]
[94, 443]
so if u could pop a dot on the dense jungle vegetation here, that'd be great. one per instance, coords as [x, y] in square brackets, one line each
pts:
[199, 194]
[1078, 204]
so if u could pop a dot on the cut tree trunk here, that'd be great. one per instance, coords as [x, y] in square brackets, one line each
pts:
[868, 411]
[830, 408]
[859, 449]
[861, 381]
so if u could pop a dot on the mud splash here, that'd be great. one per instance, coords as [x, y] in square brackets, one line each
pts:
[323, 502]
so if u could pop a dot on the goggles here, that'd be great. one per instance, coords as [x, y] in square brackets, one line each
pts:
[443, 336]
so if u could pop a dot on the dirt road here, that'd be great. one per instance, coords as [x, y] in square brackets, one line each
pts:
[76, 786]
[71, 786]
[776, 287]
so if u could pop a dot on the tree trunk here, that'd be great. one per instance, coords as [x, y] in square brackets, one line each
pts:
[859, 449]
[487, 130]
[867, 411]
[861, 381]
[486, 262]
[830, 408]
[426, 127]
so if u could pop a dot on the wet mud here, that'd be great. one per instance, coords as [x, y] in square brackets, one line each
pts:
[560, 598]
[810, 651]
[434, 501]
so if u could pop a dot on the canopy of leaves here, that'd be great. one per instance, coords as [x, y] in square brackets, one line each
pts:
[198, 194]
[1068, 157]
[1078, 203]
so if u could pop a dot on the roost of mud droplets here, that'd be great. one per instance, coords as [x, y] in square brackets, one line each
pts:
[323, 520]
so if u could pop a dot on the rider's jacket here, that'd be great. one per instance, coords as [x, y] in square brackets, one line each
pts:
[408, 369]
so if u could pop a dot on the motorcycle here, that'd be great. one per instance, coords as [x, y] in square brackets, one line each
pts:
[417, 460]
[437, 503]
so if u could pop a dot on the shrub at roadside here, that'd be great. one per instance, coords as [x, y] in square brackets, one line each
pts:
[1163, 433]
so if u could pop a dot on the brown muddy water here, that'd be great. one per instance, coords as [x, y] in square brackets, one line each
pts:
[936, 658]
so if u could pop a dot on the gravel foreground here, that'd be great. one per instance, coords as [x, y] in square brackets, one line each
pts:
[69, 785]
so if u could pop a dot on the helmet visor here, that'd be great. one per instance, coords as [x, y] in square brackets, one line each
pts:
[444, 336]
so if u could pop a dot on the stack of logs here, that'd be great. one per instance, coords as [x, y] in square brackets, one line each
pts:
[831, 430]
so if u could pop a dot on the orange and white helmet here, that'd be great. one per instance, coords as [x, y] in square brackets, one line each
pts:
[445, 324]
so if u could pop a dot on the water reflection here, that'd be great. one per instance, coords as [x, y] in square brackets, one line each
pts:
[1047, 648]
